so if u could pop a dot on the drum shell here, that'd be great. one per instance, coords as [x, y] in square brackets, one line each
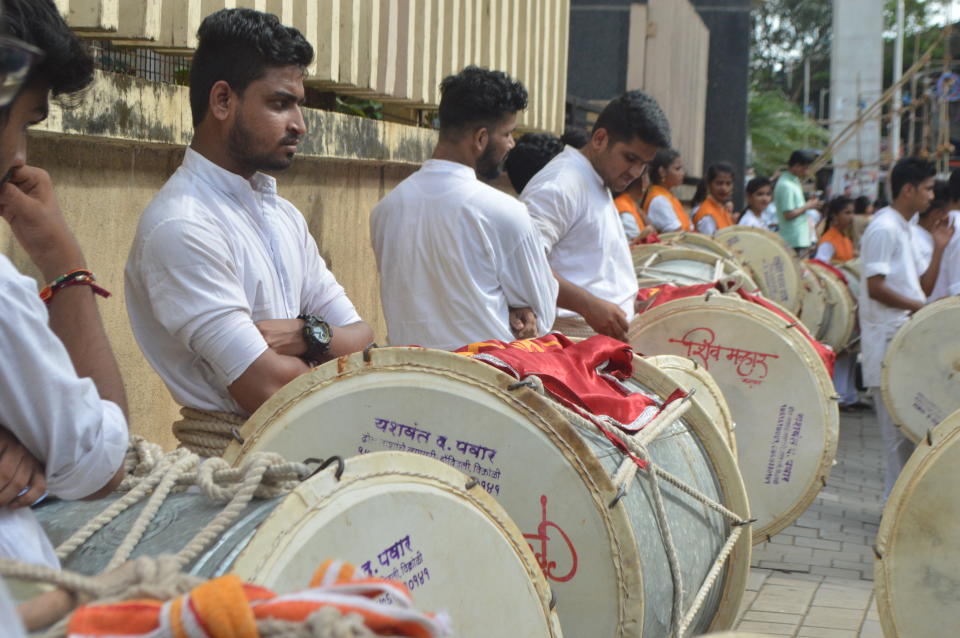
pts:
[772, 263]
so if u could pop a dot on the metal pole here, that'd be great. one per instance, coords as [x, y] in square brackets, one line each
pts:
[897, 74]
[806, 87]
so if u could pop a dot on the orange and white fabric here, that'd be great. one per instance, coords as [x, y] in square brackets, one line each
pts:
[225, 607]
[711, 216]
[665, 210]
[834, 246]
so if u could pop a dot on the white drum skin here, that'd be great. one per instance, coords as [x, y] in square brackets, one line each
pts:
[919, 375]
[918, 542]
[778, 390]
[772, 262]
[522, 448]
[684, 266]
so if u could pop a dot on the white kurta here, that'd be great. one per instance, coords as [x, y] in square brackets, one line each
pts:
[886, 249]
[948, 281]
[581, 230]
[454, 256]
[213, 254]
[80, 438]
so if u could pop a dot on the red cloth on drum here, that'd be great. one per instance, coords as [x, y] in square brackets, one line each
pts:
[658, 295]
[586, 376]
[839, 273]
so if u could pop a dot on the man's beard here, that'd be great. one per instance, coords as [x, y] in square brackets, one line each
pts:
[240, 145]
[488, 168]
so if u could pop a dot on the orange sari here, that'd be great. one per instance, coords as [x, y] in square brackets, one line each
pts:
[656, 191]
[842, 245]
[713, 208]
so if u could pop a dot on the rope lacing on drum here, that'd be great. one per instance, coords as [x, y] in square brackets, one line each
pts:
[637, 444]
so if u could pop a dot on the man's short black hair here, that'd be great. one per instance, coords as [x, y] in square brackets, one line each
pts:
[910, 170]
[238, 46]
[531, 154]
[954, 185]
[635, 115]
[67, 66]
[575, 137]
[477, 98]
[801, 157]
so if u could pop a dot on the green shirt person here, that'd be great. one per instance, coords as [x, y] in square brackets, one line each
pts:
[791, 204]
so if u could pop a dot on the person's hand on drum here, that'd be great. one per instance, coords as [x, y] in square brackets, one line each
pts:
[523, 323]
[22, 480]
[607, 319]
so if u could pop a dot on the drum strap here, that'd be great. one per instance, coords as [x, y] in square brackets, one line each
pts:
[206, 432]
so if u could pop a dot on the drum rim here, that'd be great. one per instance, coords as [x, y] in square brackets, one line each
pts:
[776, 240]
[835, 285]
[546, 415]
[929, 449]
[698, 240]
[896, 344]
[732, 266]
[819, 372]
[381, 467]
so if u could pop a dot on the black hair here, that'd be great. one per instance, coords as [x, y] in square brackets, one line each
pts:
[954, 185]
[860, 205]
[801, 156]
[663, 159]
[880, 202]
[635, 115]
[575, 137]
[834, 207]
[478, 97]
[910, 170]
[532, 152]
[941, 197]
[237, 46]
[757, 183]
[713, 171]
[67, 66]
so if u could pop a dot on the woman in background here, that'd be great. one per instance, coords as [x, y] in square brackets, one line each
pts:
[759, 196]
[835, 245]
[716, 190]
[663, 209]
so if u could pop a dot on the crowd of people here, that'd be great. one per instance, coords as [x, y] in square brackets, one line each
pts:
[229, 298]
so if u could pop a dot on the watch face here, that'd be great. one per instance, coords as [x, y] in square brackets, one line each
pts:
[321, 332]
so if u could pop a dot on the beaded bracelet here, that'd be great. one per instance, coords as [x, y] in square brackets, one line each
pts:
[78, 277]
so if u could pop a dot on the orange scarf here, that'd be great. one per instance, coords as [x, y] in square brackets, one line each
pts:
[712, 208]
[842, 245]
[656, 191]
[625, 203]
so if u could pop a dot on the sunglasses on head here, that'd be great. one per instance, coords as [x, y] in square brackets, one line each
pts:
[16, 60]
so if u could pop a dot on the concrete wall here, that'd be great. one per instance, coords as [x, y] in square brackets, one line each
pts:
[105, 179]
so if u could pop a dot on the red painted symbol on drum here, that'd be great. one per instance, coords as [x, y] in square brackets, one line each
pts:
[750, 365]
[549, 566]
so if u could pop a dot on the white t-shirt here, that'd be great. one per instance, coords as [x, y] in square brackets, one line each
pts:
[707, 225]
[886, 249]
[814, 217]
[581, 230]
[662, 215]
[80, 438]
[948, 281]
[213, 254]
[630, 228]
[454, 256]
[825, 251]
[749, 218]
[769, 216]
[922, 247]
[12, 626]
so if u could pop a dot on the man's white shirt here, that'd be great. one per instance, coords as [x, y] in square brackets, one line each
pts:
[454, 256]
[581, 230]
[213, 254]
[887, 249]
[948, 281]
[60, 418]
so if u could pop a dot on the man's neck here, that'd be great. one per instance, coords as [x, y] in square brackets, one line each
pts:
[216, 151]
[451, 152]
[906, 211]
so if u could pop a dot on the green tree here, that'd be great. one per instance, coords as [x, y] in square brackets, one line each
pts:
[777, 127]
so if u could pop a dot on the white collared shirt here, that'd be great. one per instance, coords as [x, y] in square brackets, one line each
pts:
[454, 256]
[213, 254]
[948, 281]
[750, 219]
[581, 231]
[885, 249]
[80, 438]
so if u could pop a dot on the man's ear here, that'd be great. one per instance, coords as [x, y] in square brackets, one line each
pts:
[599, 139]
[481, 137]
[222, 99]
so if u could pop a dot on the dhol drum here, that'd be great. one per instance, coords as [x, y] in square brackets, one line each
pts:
[689, 374]
[772, 263]
[842, 308]
[698, 241]
[917, 545]
[778, 389]
[396, 515]
[592, 526]
[814, 311]
[919, 375]
[658, 264]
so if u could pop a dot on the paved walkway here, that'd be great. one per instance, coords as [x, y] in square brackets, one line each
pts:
[815, 579]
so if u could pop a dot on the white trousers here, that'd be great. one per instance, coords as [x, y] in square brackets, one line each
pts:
[896, 447]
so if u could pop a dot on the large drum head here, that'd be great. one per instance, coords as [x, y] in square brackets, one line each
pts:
[814, 311]
[531, 456]
[919, 378]
[771, 261]
[918, 542]
[778, 390]
[843, 308]
[687, 267]
[698, 241]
